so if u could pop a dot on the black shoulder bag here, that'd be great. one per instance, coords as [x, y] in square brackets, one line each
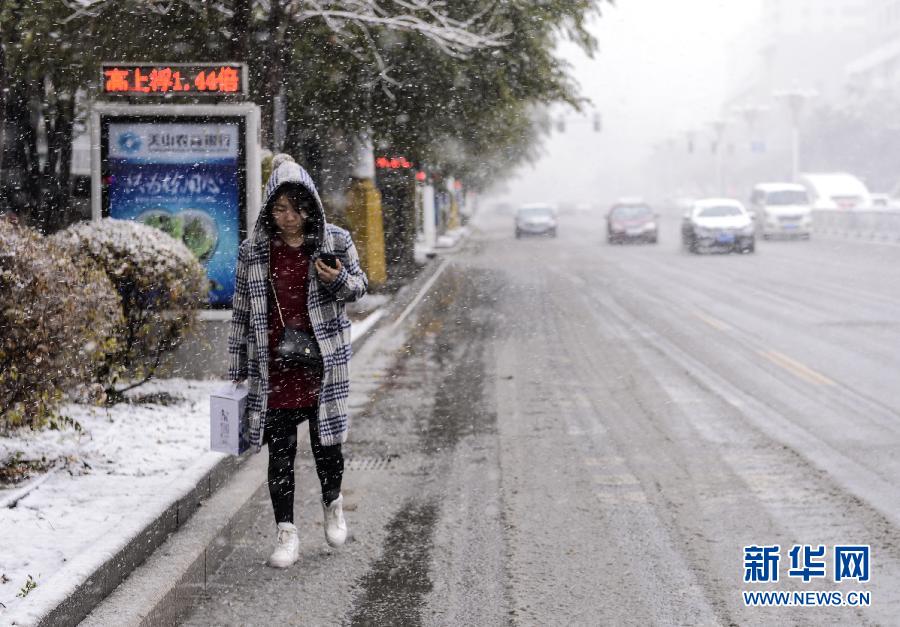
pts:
[297, 347]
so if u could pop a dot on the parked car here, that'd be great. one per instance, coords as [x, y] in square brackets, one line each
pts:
[631, 221]
[837, 190]
[781, 209]
[718, 224]
[536, 219]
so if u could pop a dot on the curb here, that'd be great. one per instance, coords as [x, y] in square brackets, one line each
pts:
[399, 301]
[168, 583]
[104, 580]
[156, 577]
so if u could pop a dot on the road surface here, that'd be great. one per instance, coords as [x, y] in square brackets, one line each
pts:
[566, 432]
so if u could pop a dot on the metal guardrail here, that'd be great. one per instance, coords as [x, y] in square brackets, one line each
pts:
[866, 224]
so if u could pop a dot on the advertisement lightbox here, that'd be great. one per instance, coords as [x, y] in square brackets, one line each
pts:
[182, 175]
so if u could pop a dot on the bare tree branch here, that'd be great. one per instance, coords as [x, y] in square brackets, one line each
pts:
[430, 18]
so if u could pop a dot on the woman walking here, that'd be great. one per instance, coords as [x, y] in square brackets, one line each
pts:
[290, 336]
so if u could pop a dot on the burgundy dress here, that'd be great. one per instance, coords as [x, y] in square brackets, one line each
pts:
[289, 268]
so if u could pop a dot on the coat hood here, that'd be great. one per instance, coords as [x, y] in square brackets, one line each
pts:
[287, 172]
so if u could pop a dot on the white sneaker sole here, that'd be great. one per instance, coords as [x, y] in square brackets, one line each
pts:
[336, 542]
[280, 565]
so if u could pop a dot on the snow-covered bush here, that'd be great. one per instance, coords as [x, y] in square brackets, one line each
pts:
[57, 317]
[161, 285]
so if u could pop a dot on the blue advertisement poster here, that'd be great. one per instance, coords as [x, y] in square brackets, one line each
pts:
[184, 178]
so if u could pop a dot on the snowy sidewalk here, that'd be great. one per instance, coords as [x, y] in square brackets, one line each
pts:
[132, 465]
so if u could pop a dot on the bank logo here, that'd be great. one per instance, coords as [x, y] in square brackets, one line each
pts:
[130, 142]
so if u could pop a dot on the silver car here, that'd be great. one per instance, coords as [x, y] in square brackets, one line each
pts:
[536, 219]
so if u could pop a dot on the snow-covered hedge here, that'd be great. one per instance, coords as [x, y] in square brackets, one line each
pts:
[161, 285]
[57, 315]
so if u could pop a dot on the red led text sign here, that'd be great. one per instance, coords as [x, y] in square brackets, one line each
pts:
[182, 79]
[393, 163]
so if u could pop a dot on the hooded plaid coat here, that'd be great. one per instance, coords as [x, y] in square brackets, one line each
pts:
[248, 345]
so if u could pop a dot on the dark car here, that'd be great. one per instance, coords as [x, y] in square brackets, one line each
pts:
[631, 222]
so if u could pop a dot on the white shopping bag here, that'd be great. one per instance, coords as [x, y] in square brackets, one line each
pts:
[229, 431]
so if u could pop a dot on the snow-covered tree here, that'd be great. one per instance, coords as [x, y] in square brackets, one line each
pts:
[422, 75]
[435, 20]
[262, 32]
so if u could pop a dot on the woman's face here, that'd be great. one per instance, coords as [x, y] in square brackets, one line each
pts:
[289, 220]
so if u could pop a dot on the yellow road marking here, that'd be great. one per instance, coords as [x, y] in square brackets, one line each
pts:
[604, 460]
[713, 322]
[795, 367]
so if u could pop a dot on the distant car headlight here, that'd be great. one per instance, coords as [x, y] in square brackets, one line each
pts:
[702, 231]
[747, 230]
[650, 226]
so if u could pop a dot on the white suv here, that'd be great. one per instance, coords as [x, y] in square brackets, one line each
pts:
[781, 209]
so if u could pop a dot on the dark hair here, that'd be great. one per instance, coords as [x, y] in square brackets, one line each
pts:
[300, 198]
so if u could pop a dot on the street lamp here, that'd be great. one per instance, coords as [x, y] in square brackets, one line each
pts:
[796, 100]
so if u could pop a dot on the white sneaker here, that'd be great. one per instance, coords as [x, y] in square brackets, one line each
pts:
[335, 525]
[287, 549]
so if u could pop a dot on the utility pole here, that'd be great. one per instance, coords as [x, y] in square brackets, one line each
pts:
[751, 114]
[796, 100]
[719, 131]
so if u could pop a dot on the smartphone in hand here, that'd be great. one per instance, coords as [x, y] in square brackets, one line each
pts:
[329, 259]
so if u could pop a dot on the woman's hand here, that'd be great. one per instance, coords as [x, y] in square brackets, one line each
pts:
[327, 274]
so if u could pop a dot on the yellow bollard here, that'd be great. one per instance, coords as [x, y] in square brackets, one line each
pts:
[367, 228]
[453, 221]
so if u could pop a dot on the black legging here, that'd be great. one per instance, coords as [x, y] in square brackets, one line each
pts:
[281, 435]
